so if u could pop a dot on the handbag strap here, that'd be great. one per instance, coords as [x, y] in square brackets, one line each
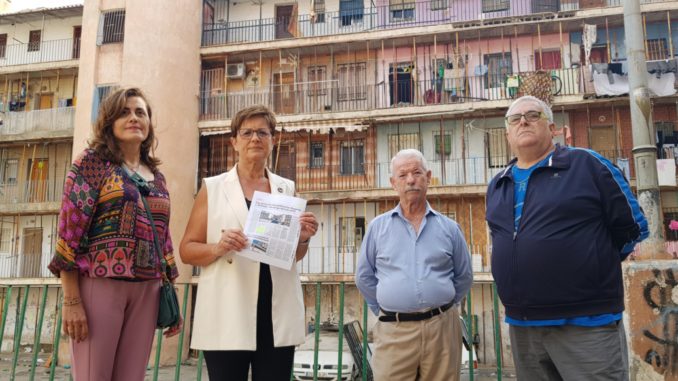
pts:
[143, 187]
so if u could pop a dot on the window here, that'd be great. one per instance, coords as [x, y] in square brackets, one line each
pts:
[401, 10]
[350, 12]
[352, 79]
[657, 49]
[10, 171]
[316, 80]
[6, 239]
[497, 148]
[499, 66]
[112, 27]
[547, 60]
[318, 16]
[670, 214]
[352, 157]
[317, 155]
[495, 5]
[351, 233]
[448, 145]
[3, 44]
[397, 142]
[437, 5]
[100, 93]
[34, 41]
[215, 157]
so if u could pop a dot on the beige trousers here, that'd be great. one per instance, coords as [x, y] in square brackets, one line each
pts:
[427, 350]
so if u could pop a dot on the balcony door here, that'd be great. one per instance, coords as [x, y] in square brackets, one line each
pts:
[32, 253]
[45, 101]
[285, 21]
[603, 141]
[283, 93]
[37, 180]
[77, 32]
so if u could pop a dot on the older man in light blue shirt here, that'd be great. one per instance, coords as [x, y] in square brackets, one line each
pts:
[413, 270]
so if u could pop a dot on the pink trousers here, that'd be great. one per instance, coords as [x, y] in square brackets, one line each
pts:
[121, 317]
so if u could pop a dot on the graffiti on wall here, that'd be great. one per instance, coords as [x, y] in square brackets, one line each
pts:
[661, 295]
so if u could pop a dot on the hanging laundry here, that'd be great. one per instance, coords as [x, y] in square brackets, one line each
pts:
[662, 66]
[623, 164]
[666, 172]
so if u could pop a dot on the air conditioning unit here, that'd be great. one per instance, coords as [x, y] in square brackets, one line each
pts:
[235, 70]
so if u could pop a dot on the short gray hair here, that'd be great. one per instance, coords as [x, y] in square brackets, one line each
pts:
[410, 152]
[529, 98]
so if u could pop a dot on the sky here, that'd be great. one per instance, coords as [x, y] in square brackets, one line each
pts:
[18, 5]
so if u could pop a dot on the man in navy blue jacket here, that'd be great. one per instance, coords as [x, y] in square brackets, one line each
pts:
[562, 220]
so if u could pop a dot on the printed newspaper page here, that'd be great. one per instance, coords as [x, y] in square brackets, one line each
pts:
[272, 229]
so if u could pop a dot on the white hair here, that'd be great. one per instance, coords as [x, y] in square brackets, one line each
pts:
[409, 153]
[546, 109]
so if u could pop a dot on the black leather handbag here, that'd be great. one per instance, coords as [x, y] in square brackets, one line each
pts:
[168, 309]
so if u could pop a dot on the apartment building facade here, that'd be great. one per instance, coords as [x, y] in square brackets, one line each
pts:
[352, 82]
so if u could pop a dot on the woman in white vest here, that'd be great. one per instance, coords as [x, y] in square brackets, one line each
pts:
[246, 313]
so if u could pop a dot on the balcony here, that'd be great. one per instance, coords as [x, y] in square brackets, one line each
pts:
[14, 123]
[342, 259]
[40, 52]
[333, 96]
[382, 17]
[372, 176]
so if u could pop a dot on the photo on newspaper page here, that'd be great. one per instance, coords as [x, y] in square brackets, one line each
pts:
[272, 229]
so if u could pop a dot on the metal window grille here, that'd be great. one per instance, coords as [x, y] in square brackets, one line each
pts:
[352, 79]
[11, 171]
[499, 66]
[447, 144]
[317, 155]
[352, 157]
[397, 142]
[437, 5]
[401, 10]
[495, 5]
[317, 76]
[34, 40]
[497, 148]
[112, 28]
[318, 11]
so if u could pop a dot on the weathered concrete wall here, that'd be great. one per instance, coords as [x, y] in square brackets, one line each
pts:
[652, 319]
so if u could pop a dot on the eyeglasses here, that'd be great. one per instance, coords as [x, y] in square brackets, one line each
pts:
[247, 134]
[530, 116]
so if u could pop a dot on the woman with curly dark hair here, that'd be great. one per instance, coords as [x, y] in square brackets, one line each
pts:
[110, 255]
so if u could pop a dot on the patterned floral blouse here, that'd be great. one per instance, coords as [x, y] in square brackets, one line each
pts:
[104, 231]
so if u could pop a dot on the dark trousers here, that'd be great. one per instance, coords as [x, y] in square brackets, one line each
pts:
[268, 363]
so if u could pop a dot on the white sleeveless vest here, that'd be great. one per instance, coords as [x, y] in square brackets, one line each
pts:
[225, 316]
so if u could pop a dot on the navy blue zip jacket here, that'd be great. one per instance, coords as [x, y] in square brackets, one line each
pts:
[579, 221]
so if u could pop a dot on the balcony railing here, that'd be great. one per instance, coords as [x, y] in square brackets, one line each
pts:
[52, 119]
[458, 171]
[384, 17]
[332, 96]
[342, 259]
[43, 51]
[35, 191]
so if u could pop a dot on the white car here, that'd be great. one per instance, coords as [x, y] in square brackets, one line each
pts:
[328, 358]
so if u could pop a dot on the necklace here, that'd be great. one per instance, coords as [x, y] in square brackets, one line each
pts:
[133, 169]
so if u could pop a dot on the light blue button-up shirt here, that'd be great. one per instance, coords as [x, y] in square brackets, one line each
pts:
[401, 270]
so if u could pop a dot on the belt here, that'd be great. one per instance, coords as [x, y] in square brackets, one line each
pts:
[389, 316]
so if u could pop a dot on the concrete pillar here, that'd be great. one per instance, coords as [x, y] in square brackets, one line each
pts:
[651, 296]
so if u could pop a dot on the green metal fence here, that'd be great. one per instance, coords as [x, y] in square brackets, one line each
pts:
[45, 328]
